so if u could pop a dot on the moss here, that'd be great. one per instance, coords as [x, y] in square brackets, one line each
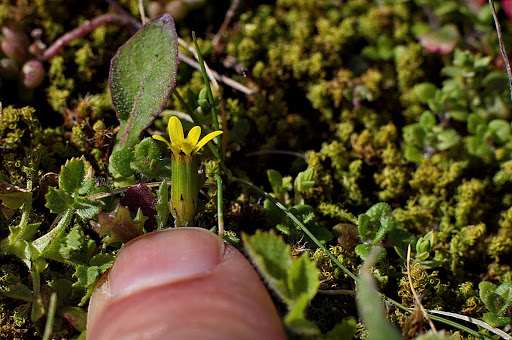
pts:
[465, 245]
[332, 277]
[471, 203]
[434, 294]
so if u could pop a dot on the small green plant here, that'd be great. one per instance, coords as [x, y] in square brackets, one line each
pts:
[373, 225]
[281, 187]
[498, 300]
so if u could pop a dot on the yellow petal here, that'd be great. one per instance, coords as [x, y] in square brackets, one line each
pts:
[206, 139]
[193, 135]
[187, 148]
[175, 130]
[175, 150]
[162, 139]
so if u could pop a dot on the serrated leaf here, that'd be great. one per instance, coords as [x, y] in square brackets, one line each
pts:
[86, 276]
[119, 226]
[303, 277]
[58, 201]
[296, 320]
[102, 261]
[272, 257]
[76, 176]
[142, 76]
[67, 248]
[87, 208]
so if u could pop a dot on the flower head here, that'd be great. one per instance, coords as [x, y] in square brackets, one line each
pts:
[189, 145]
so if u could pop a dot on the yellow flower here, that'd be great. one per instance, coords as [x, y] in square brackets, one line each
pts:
[189, 145]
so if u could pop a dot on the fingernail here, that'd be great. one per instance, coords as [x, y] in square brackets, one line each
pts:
[165, 257]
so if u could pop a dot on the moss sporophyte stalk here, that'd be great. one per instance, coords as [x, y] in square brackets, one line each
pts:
[184, 169]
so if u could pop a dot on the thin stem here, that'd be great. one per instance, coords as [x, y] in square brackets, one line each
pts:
[51, 317]
[209, 93]
[220, 208]
[502, 46]
[299, 223]
[86, 27]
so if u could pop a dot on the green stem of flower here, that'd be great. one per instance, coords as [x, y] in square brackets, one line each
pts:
[210, 94]
[184, 189]
[220, 208]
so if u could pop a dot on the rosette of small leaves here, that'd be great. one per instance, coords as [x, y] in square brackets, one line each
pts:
[373, 225]
[486, 136]
[497, 299]
[427, 137]
[76, 181]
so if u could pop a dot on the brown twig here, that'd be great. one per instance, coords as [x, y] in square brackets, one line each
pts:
[85, 28]
[502, 46]
[227, 19]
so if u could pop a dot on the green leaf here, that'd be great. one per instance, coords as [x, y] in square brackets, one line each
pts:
[69, 248]
[343, 330]
[424, 92]
[102, 261]
[413, 154]
[58, 201]
[371, 310]
[18, 291]
[276, 180]
[495, 320]
[142, 77]
[364, 251]
[272, 257]
[162, 205]
[76, 176]
[427, 119]
[148, 160]
[500, 129]
[296, 320]
[364, 227]
[474, 120]
[121, 161]
[505, 291]
[447, 139]
[87, 208]
[303, 278]
[12, 196]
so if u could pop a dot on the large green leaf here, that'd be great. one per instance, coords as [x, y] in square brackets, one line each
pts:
[142, 77]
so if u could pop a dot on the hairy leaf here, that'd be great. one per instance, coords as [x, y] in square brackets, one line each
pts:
[142, 76]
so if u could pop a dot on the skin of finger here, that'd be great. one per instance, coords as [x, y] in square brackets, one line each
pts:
[229, 302]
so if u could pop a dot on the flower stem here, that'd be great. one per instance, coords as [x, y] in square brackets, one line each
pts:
[220, 209]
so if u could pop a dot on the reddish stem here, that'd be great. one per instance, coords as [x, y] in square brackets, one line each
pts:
[88, 26]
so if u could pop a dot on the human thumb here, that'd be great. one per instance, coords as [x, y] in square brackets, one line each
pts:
[183, 283]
